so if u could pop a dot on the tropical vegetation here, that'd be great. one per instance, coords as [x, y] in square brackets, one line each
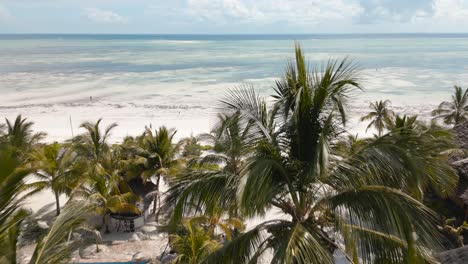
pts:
[366, 204]
[455, 111]
[278, 178]
[380, 115]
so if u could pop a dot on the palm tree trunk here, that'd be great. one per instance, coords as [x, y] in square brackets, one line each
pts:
[104, 222]
[57, 202]
[156, 200]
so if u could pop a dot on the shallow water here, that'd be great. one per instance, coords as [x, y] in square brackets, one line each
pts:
[176, 80]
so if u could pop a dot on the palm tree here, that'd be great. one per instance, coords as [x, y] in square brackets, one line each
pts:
[191, 147]
[231, 143]
[55, 246]
[154, 155]
[380, 112]
[194, 246]
[351, 204]
[104, 187]
[455, 111]
[92, 146]
[109, 195]
[56, 170]
[230, 226]
[20, 135]
[13, 174]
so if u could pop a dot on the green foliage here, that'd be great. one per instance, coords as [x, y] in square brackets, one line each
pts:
[56, 247]
[380, 115]
[109, 194]
[20, 136]
[455, 111]
[104, 186]
[215, 176]
[53, 247]
[195, 245]
[192, 147]
[365, 193]
[57, 170]
[92, 146]
[152, 154]
[338, 192]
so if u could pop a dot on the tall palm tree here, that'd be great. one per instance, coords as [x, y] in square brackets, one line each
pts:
[231, 144]
[104, 187]
[351, 204]
[20, 135]
[455, 111]
[56, 170]
[379, 115]
[154, 156]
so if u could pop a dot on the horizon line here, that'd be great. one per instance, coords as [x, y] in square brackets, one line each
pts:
[246, 34]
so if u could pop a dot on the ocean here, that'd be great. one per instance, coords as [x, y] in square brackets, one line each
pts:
[60, 80]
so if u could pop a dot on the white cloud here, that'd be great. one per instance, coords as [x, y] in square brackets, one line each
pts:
[269, 11]
[396, 11]
[104, 16]
[453, 11]
[312, 12]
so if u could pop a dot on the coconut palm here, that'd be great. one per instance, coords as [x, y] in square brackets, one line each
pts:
[194, 246]
[229, 226]
[191, 147]
[54, 247]
[422, 149]
[56, 170]
[331, 203]
[92, 146]
[379, 115]
[231, 143]
[455, 111]
[20, 135]
[154, 156]
[109, 194]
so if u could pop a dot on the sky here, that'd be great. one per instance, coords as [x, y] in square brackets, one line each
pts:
[233, 16]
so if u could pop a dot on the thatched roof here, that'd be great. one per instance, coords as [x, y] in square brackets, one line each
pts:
[454, 256]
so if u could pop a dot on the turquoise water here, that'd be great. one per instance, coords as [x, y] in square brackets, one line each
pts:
[167, 76]
[221, 59]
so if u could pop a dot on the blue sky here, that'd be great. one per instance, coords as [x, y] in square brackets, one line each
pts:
[232, 16]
